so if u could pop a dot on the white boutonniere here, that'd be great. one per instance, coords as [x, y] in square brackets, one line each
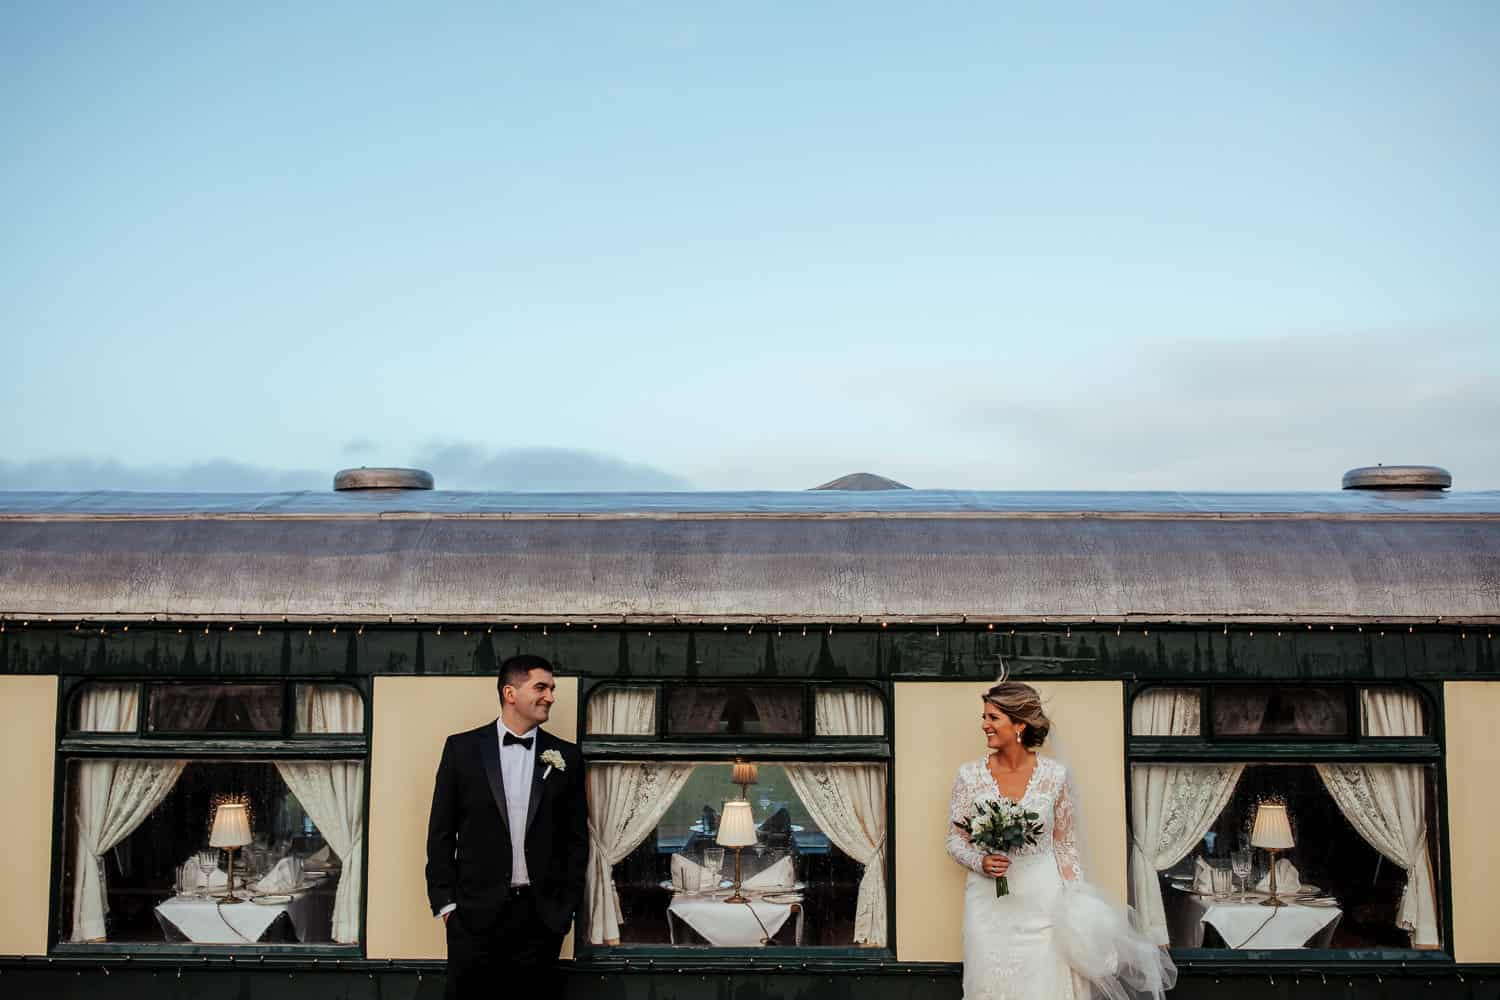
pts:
[552, 759]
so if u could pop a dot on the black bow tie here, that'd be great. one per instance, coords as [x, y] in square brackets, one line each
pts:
[511, 738]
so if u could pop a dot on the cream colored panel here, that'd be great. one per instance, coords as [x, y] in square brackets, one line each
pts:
[28, 718]
[412, 718]
[1471, 708]
[937, 729]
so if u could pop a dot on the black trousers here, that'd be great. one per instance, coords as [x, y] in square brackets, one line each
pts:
[513, 955]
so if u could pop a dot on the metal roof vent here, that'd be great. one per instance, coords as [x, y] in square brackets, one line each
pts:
[862, 481]
[364, 478]
[1398, 477]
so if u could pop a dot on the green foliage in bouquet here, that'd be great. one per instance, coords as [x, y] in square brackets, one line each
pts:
[1000, 827]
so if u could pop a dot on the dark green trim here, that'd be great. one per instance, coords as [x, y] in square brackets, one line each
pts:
[745, 746]
[1146, 749]
[1371, 652]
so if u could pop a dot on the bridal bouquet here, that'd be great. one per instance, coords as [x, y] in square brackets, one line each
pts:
[1000, 827]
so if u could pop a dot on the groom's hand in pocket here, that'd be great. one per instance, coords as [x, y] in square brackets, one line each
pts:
[996, 864]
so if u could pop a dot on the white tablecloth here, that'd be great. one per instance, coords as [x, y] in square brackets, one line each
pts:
[1251, 925]
[733, 925]
[206, 921]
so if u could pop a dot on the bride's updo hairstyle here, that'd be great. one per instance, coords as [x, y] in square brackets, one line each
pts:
[1021, 703]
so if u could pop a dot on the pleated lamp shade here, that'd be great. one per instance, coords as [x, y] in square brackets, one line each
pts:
[231, 826]
[1272, 828]
[736, 825]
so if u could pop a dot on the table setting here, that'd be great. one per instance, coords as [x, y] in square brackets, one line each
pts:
[1287, 913]
[204, 909]
[703, 899]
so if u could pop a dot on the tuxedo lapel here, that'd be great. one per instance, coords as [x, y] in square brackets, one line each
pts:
[489, 753]
[538, 771]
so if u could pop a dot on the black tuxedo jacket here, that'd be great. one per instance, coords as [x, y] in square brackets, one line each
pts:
[468, 833]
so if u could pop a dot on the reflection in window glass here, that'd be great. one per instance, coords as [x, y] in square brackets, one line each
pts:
[734, 710]
[810, 822]
[139, 867]
[105, 708]
[215, 708]
[1360, 872]
[1167, 711]
[1264, 710]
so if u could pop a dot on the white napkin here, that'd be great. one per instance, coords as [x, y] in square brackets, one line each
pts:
[193, 878]
[279, 879]
[1203, 877]
[686, 875]
[781, 875]
[320, 858]
[1287, 880]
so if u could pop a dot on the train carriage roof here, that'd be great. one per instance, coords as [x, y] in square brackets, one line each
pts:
[907, 555]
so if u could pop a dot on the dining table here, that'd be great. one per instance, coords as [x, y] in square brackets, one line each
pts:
[213, 921]
[751, 924]
[1245, 923]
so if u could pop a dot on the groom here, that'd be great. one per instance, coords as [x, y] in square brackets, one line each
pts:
[507, 843]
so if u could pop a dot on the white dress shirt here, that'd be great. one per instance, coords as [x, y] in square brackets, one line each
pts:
[516, 767]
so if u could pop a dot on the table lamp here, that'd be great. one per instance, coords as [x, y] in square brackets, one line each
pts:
[231, 829]
[1272, 831]
[744, 775]
[736, 830]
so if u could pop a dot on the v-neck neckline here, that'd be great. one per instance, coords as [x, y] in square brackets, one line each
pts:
[1035, 767]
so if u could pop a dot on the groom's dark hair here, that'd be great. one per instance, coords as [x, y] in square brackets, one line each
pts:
[515, 670]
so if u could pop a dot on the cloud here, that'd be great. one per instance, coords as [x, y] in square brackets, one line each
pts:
[458, 466]
[454, 466]
[212, 476]
[1252, 414]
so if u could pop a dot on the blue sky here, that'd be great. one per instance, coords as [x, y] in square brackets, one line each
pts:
[742, 246]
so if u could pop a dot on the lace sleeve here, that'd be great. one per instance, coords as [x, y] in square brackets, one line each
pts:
[960, 807]
[1065, 832]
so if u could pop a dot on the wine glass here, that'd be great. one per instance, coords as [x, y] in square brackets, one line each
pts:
[208, 863]
[1242, 861]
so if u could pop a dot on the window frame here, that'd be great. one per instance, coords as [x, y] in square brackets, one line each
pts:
[723, 749]
[199, 745]
[1354, 747]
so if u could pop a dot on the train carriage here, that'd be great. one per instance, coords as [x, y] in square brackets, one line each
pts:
[223, 715]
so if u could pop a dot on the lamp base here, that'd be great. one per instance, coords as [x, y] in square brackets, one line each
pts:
[1274, 901]
[737, 898]
[229, 896]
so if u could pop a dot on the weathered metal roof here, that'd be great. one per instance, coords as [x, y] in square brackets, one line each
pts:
[817, 556]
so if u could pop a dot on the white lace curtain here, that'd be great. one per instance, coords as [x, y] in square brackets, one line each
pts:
[333, 793]
[1172, 805]
[847, 801]
[1387, 804]
[111, 798]
[626, 802]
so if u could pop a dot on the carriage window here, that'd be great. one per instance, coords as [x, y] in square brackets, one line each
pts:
[105, 708]
[1167, 711]
[199, 846]
[215, 708]
[799, 845]
[149, 842]
[1340, 850]
[1270, 710]
[735, 710]
[808, 864]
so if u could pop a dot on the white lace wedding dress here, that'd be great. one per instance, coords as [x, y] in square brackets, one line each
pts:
[1054, 937]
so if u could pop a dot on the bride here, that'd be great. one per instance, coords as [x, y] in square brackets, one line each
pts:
[1053, 937]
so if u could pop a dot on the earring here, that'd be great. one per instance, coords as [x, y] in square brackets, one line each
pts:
[1018, 737]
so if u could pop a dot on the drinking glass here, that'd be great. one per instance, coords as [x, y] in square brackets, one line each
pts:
[713, 860]
[1223, 883]
[1242, 862]
[208, 863]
